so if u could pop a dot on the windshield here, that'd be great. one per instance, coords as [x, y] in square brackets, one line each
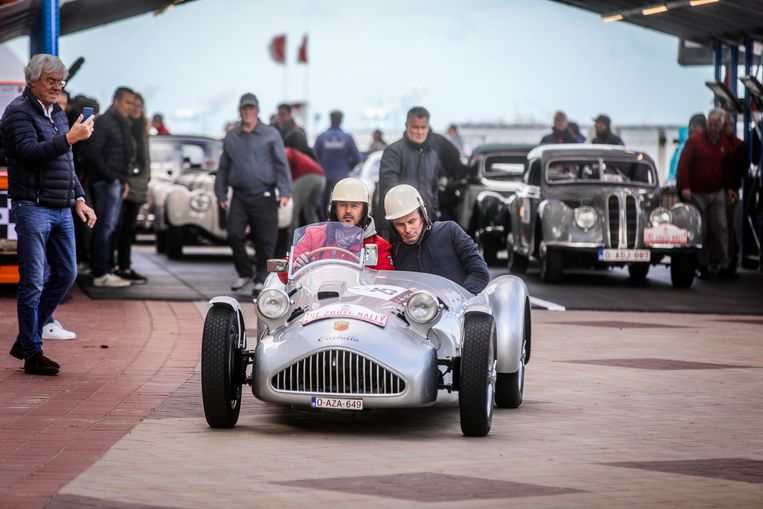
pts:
[324, 242]
[600, 171]
[505, 167]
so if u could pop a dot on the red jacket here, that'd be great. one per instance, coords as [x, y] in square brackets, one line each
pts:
[704, 167]
[301, 165]
[315, 237]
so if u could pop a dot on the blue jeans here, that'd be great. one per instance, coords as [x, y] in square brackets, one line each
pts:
[107, 199]
[45, 237]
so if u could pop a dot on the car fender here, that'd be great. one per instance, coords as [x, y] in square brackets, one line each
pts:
[179, 211]
[234, 305]
[555, 218]
[491, 209]
[509, 302]
[688, 217]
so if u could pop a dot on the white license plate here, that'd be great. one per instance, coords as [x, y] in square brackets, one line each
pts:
[624, 255]
[336, 403]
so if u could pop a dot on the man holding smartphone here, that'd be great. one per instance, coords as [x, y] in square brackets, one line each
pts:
[43, 186]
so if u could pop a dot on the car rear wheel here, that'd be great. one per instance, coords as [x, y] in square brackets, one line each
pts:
[161, 242]
[682, 268]
[638, 272]
[174, 242]
[222, 368]
[551, 265]
[476, 396]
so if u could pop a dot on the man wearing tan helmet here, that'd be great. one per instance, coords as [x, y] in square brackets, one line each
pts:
[350, 204]
[441, 248]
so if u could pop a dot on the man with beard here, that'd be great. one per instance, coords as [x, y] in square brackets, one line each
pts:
[413, 160]
[350, 205]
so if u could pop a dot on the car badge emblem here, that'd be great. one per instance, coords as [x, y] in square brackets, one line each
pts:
[341, 325]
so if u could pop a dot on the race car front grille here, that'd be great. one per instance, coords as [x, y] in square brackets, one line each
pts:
[338, 372]
[631, 218]
[613, 206]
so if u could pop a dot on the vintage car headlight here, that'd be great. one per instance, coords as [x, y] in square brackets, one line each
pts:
[659, 216]
[273, 303]
[422, 307]
[201, 202]
[586, 217]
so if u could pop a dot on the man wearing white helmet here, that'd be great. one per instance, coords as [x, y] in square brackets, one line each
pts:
[441, 248]
[350, 204]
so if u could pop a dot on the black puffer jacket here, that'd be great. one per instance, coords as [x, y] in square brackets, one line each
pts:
[406, 162]
[446, 250]
[110, 151]
[40, 162]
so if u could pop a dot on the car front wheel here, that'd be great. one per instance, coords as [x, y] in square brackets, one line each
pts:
[222, 368]
[174, 242]
[516, 262]
[682, 267]
[551, 266]
[476, 396]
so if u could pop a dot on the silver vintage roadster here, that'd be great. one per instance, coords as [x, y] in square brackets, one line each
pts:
[338, 335]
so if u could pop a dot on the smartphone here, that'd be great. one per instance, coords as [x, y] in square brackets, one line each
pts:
[86, 112]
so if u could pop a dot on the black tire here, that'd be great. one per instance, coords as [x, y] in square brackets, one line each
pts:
[489, 249]
[551, 266]
[682, 269]
[222, 368]
[516, 262]
[510, 387]
[174, 242]
[161, 242]
[638, 272]
[476, 396]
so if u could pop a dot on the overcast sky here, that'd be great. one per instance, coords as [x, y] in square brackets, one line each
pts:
[475, 60]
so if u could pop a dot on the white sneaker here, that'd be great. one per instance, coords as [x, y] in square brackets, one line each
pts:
[54, 330]
[111, 281]
[241, 283]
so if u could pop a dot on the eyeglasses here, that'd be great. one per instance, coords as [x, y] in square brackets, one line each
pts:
[50, 82]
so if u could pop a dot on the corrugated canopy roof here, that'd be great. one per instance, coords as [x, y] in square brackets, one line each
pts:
[728, 21]
[17, 17]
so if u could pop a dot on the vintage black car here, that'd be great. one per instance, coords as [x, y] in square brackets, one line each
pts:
[495, 173]
[598, 206]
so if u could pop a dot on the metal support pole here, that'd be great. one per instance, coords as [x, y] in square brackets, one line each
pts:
[747, 240]
[733, 79]
[717, 64]
[44, 36]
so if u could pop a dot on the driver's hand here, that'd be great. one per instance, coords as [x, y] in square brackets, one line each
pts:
[301, 260]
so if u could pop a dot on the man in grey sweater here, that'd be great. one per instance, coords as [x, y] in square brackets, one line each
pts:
[253, 164]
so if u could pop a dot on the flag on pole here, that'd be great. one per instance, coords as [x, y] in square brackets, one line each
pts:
[278, 48]
[302, 53]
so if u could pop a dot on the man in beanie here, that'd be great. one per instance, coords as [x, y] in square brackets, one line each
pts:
[604, 134]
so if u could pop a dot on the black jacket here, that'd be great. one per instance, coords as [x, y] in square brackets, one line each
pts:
[110, 151]
[40, 161]
[555, 136]
[446, 250]
[608, 138]
[406, 162]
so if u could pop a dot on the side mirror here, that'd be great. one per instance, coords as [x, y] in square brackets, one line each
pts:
[277, 265]
[371, 254]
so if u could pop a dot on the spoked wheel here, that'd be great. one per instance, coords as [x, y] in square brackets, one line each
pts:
[510, 387]
[222, 368]
[476, 396]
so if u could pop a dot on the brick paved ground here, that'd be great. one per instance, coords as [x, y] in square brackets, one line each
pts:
[621, 410]
[128, 358]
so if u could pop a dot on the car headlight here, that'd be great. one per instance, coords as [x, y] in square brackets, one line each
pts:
[659, 216]
[201, 202]
[422, 307]
[273, 303]
[586, 217]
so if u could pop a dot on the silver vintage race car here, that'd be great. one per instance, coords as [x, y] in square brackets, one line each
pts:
[338, 335]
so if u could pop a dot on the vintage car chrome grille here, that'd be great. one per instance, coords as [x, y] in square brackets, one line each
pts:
[623, 224]
[338, 371]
